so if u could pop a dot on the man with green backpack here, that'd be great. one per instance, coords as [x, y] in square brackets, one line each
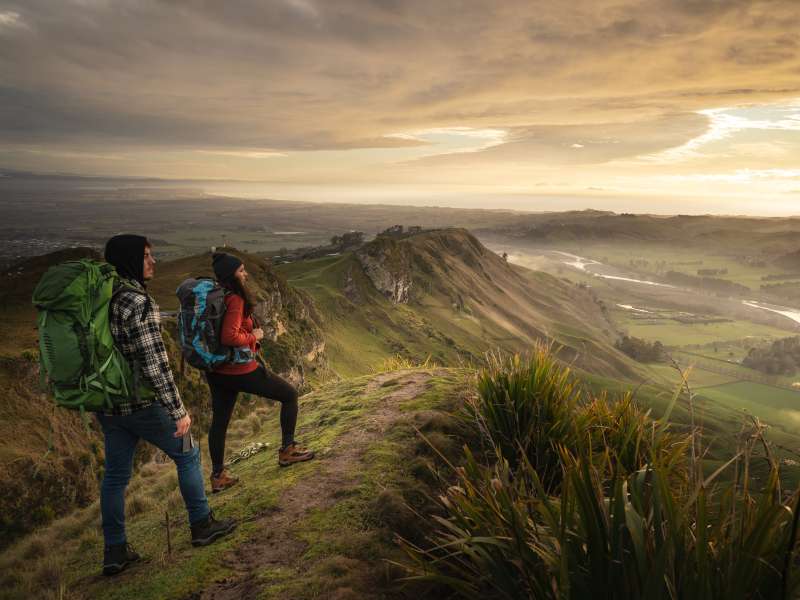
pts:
[101, 348]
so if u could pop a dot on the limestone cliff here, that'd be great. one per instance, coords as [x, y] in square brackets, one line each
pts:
[387, 263]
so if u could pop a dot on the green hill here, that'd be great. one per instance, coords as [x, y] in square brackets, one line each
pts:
[433, 303]
[442, 295]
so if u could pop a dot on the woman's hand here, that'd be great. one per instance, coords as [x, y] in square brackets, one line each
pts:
[259, 333]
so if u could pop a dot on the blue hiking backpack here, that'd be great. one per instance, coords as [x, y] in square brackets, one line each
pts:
[200, 325]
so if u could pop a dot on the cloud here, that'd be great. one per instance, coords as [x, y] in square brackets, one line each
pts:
[10, 18]
[585, 82]
[256, 154]
[742, 175]
[584, 144]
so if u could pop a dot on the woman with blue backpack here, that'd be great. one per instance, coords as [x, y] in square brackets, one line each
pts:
[244, 374]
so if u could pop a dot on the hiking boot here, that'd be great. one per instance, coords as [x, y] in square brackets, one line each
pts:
[209, 529]
[293, 453]
[117, 557]
[222, 481]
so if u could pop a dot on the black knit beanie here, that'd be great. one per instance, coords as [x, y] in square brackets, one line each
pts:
[126, 253]
[225, 266]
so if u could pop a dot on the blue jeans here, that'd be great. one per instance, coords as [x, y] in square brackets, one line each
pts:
[152, 424]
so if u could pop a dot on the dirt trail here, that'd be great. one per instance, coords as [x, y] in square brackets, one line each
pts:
[275, 545]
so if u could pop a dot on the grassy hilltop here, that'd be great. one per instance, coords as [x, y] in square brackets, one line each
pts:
[387, 339]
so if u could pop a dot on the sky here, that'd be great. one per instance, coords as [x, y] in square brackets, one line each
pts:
[664, 106]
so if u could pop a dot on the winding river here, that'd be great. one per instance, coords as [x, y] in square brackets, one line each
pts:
[585, 264]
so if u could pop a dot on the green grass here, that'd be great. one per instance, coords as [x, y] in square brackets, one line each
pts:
[777, 406]
[596, 499]
[704, 360]
[621, 254]
[699, 377]
[674, 334]
[361, 336]
[345, 539]
[454, 316]
[325, 416]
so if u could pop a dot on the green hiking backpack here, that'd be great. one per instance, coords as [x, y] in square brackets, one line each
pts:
[84, 368]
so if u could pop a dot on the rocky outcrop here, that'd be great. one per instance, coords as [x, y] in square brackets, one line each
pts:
[387, 264]
[350, 288]
[293, 342]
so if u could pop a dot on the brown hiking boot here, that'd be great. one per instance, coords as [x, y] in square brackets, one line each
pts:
[222, 481]
[293, 453]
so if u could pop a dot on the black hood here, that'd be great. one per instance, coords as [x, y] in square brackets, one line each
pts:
[126, 253]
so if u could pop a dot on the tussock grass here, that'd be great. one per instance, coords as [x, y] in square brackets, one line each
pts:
[138, 503]
[583, 497]
[254, 422]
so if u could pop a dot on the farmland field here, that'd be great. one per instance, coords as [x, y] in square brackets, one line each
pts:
[698, 377]
[778, 406]
[676, 334]
[660, 259]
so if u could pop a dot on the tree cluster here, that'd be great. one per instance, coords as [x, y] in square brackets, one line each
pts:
[780, 358]
[347, 240]
[711, 272]
[640, 350]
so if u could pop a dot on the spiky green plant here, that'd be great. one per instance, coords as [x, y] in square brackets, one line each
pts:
[633, 537]
[526, 406]
[620, 436]
[628, 520]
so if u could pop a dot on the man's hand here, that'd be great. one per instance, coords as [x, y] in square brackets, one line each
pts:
[259, 333]
[182, 426]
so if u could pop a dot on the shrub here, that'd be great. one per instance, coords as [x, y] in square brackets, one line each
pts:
[526, 407]
[629, 518]
[621, 437]
[626, 537]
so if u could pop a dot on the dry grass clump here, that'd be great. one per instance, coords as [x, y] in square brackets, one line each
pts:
[138, 503]
[175, 500]
[91, 537]
[403, 363]
[254, 422]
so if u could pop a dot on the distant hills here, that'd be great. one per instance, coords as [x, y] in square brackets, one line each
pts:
[790, 261]
[748, 234]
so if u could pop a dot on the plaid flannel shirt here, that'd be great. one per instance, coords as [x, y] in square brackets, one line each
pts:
[136, 329]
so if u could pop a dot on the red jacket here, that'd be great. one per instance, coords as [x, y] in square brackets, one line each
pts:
[237, 330]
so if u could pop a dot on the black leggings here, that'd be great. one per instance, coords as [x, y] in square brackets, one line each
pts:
[225, 389]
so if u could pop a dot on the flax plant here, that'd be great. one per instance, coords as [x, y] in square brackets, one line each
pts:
[526, 407]
[628, 518]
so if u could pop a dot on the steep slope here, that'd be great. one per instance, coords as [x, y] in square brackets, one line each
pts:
[442, 294]
[48, 459]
